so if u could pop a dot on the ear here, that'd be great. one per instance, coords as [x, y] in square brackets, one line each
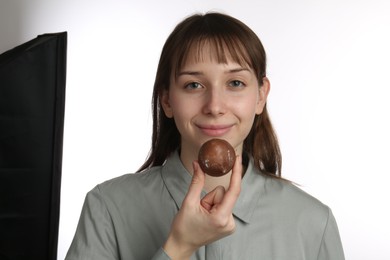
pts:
[263, 94]
[164, 98]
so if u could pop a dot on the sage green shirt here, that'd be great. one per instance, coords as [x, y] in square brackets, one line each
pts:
[129, 218]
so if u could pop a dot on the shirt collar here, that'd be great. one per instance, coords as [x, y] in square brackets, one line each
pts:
[177, 180]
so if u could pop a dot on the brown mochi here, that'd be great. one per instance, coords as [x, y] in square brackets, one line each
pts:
[216, 157]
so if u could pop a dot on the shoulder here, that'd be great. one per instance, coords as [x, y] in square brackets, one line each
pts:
[130, 185]
[150, 177]
[288, 191]
[314, 220]
[296, 202]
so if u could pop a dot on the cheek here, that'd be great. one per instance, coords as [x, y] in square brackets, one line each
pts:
[183, 109]
[178, 105]
[246, 107]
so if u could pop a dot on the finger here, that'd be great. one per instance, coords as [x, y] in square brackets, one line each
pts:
[197, 183]
[213, 197]
[234, 189]
[236, 177]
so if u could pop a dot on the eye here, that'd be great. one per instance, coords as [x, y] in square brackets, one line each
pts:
[236, 83]
[193, 85]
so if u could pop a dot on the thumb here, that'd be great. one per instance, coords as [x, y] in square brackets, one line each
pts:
[197, 183]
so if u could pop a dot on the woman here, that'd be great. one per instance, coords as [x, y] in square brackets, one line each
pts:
[211, 83]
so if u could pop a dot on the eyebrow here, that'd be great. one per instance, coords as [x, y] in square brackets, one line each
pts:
[195, 73]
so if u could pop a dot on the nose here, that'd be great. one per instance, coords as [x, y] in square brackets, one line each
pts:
[215, 102]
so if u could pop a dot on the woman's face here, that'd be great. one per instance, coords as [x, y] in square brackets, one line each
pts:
[208, 100]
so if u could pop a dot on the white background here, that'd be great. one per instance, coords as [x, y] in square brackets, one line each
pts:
[329, 66]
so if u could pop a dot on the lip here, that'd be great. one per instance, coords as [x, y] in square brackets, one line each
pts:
[215, 130]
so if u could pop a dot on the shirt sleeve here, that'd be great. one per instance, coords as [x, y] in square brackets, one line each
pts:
[95, 236]
[331, 246]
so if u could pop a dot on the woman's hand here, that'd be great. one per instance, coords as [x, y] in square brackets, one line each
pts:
[203, 221]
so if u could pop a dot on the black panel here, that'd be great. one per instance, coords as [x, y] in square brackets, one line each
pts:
[32, 100]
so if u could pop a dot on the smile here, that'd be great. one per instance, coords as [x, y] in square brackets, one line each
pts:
[215, 130]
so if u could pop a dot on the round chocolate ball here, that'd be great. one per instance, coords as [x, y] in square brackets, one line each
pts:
[216, 157]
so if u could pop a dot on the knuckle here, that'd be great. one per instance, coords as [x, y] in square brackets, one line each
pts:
[219, 222]
[231, 227]
[225, 224]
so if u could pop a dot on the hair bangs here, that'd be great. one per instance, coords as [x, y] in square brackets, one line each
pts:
[222, 48]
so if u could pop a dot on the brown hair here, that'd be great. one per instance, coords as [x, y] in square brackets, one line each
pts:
[224, 34]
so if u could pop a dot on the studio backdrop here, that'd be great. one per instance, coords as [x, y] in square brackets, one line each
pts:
[32, 100]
